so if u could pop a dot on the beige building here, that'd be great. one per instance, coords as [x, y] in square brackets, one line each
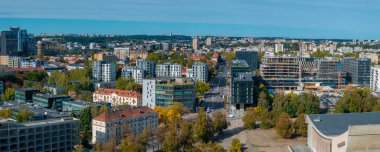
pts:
[115, 124]
[349, 132]
[4, 61]
[105, 56]
[195, 43]
[129, 54]
[118, 97]
[374, 57]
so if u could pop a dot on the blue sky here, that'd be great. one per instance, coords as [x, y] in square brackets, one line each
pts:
[359, 19]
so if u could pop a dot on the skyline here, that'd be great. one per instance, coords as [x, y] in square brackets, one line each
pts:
[333, 19]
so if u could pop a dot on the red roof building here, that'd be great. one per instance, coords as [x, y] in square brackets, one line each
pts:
[118, 97]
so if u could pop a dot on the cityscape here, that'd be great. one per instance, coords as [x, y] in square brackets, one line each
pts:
[187, 87]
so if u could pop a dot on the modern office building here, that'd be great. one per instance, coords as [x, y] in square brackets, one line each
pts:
[250, 56]
[329, 73]
[375, 79]
[165, 91]
[199, 71]
[242, 91]
[343, 132]
[195, 43]
[50, 101]
[146, 65]
[133, 72]
[239, 66]
[115, 124]
[358, 70]
[118, 97]
[25, 94]
[103, 71]
[15, 42]
[60, 134]
[168, 69]
[49, 46]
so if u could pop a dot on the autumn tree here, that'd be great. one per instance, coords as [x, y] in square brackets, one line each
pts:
[300, 126]
[284, 126]
[202, 87]
[171, 142]
[128, 84]
[6, 113]
[207, 147]
[203, 126]
[220, 122]
[263, 100]
[249, 118]
[171, 114]
[235, 145]
[58, 78]
[102, 109]
[9, 94]
[186, 135]
[24, 115]
[78, 148]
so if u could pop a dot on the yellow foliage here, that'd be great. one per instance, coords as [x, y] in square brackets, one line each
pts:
[171, 114]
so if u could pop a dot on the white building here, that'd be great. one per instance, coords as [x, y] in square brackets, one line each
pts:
[103, 71]
[375, 79]
[45, 135]
[200, 71]
[168, 69]
[209, 41]
[279, 48]
[189, 73]
[70, 67]
[118, 97]
[133, 72]
[146, 65]
[115, 124]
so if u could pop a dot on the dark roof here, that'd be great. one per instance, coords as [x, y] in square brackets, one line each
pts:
[243, 76]
[336, 124]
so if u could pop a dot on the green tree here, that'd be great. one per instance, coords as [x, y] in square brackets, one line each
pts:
[284, 126]
[220, 122]
[6, 113]
[263, 100]
[85, 117]
[209, 147]
[77, 74]
[202, 87]
[320, 54]
[235, 145]
[356, 100]
[128, 84]
[58, 78]
[9, 94]
[266, 119]
[86, 96]
[171, 142]
[203, 127]
[300, 126]
[186, 137]
[102, 109]
[24, 115]
[249, 118]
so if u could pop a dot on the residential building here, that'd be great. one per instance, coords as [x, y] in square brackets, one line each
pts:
[166, 46]
[126, 54]
[122, 53]
[115, 124]
[165, 91]
[375, 79]
[238, 66]
[70, 67]
[15, 61]
[373, 56]
[25, 94]
[195, 43]
[168, 69]
[200, 71]
[132, 72]
[343, 132]
[189, 73]
[279, 48]
[103, 71]
[146, 65]
[250, 56]
[60, 134]
[105, 56]
[15, 42]
[358, 70]
[242, 91]
[49, 46]
[50, 101]
[118, 97]
[208, 41]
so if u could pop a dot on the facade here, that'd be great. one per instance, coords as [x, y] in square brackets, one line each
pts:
[343, 132]
[25, 94]
[242, 91]
[118, 97]
[49, 46]
[239, 66]
[165, 91]
[4, 59]
[251, 57]
[105, 56]
[200, 71]
[50, 101]
[146, 65]
[56, 90]
[80, 105]
[358, 70]
[15, 42]
[166, 46]
[115, 124]
[132, 72]
[103, 71]
[329, 73]
[373, 56]
[41, 136]
[168, 69]
[195, 43]
[278, 48]
[375, 79]
[208, 41]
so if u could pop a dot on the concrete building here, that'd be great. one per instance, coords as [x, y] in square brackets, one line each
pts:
[168, 69]
[4, 59]
[279, 48]
[373, 56]
[208, 41]
[77, 105]
[25, 94]
[41, 136]
[49, 46]
[165, 91]
[250, 56]
[103, 71]
[343, 132]
[166, 46]
[115, 124]
[242, 89]
[118, 97]
[358, 70]
[105, 56]
[195, 43]
[146, 65]
[239, 66]
[55, 90]
[15, 42]
[50, 101]
[200, 71]
[375, 79]
[133, 72]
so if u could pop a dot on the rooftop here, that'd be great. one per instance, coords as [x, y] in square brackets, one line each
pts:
[128, 113]
[243, 77]
[336, 124]
[124, 93]
[240, 63]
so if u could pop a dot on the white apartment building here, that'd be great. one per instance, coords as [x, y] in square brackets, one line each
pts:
[108, 72]
[48, 135]
[375, 79]
[115, 124]
[189, 73]
[200, 71]
[118, 97]
[133, 72]
[168, 69]
[279, 48]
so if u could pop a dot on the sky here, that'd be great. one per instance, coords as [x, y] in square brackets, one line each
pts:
[330, 19]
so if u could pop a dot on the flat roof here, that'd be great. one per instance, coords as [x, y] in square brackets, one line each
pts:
[337, 124]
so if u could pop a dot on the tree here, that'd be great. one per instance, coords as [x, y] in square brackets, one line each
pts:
[24, 115]
[209, 147]
[129, 144]
[6, 113]
[356, 100]
[263, 100]
[85, 117]
[220, 122]
[249, 118]
[203, 126]
[77, 74]
[128, 84]
[86, 96]
[171, 142]
[186, 139]
[266, 119]
[9, 94]
[58, 78]
[109, 146]
[284, 126]
[300, 126]
[102, 109]
[78, 148]
[235, 145]
[202, 87]
[171, 114]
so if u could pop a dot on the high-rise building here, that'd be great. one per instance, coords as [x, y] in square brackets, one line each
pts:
[132, 72]
[115, 124]
[239, 66]
[375, 79]
[209, 41]
[242, 89]
[103, 71]
[168, 69]
[165, 91]
[146, 65]
[49, 46]
[279, 48]
[60, 134]
[195, 43]
[251, 57]
[15, 42]
[166, 46]
[200, 71]
[358, 70]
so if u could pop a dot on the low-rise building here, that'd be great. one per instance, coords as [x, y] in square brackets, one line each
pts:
[118, 97]
[50, 101]
[25, 94]
[109, 85]
[55, 90]
[78, 105]
[115, 124]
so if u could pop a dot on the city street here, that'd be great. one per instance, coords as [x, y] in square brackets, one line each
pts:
[214, 98]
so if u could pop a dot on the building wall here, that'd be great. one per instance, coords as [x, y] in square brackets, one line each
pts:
[200, 71]
[116, 100]
[375, 79]
[149, 93]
